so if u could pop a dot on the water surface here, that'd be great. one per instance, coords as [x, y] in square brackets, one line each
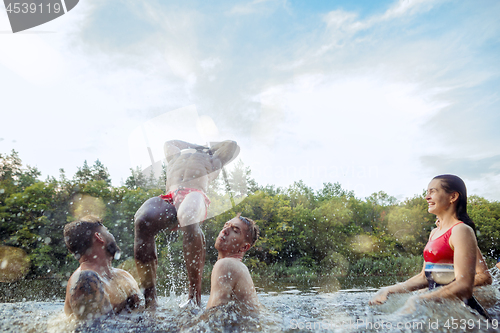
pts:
[327, 304]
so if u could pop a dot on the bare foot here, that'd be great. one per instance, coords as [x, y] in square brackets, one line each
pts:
[150, 298]
[191, 306]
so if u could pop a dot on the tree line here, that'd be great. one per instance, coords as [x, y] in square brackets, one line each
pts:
[303, 231]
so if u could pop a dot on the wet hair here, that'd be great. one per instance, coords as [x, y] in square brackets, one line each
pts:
[450, 184]
[78, 234]
[253, 229]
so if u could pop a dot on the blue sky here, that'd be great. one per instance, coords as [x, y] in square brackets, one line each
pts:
[376, 95]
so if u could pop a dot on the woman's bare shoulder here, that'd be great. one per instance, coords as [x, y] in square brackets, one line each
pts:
[462, 228]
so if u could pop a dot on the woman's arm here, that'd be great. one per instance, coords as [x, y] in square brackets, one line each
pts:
[417, 282]
[414, 283]
[483, 276]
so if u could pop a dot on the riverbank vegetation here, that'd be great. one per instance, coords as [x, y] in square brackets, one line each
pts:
[304, 231]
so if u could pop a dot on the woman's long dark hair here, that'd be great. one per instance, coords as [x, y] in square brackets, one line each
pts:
[450, 184]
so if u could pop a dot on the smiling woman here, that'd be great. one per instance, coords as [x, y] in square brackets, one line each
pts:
[451, 249]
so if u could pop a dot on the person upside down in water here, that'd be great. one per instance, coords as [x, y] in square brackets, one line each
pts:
[191, 168]
[96, 288]
[451, 253]
[230, 277]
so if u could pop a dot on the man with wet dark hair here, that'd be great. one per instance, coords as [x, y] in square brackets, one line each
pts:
[231, 280]
[78, 235]
[96, 288]
[191, 168]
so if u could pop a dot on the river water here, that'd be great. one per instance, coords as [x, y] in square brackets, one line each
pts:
[302, 305]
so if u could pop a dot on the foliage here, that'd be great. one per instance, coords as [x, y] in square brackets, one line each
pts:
[303, 231]
[97, 172]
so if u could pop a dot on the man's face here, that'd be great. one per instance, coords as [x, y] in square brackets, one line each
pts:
[233, 236]
[111, 246]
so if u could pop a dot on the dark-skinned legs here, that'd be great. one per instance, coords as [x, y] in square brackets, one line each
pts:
[190, 213]
[152, 217]
[193, 245]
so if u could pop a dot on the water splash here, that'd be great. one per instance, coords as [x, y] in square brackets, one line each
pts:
[286, 307]
[171, 279]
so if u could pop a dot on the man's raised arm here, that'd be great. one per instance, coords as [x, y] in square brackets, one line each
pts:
[173, 148]
[225, 151]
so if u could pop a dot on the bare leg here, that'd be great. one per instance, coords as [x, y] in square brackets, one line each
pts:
[190, 213]
[194, 254]
[154, 216]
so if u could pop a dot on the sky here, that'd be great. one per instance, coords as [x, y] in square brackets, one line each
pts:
[375, 95]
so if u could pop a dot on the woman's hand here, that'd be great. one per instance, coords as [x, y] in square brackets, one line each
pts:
[411, 304]
[380, 297]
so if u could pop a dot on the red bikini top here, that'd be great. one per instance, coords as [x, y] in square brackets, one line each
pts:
[438, 250]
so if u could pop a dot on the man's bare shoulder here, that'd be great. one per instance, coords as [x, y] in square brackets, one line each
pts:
[125, 282]
[126, 277]
[86, 295]
[83, 282]
[122, 273]
[85, 279]
[230, 265]
[229, 262]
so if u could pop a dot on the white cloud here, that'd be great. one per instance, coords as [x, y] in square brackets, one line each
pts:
[58, 89]
[210, 63]
[357, 130]
[350, 103]
[256, 6]
[30, 57]
[407, 7]
[344, 24]
[343, 21]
